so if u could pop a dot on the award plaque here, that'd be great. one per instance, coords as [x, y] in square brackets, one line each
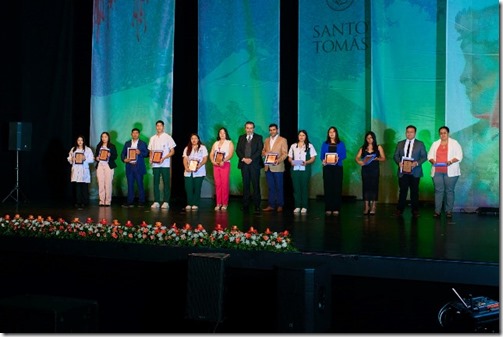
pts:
[157, 157]
[368, 159]
[270, 158]
[79, 158]
[103, 154]
[219, 157]
[193, 165]
[331, 158]
[407, 165]
[131, 154]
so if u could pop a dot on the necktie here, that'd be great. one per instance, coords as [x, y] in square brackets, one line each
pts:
[408, 149]
[248, 138]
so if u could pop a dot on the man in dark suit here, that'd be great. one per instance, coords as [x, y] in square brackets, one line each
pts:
[133, 154]
[412, 152]
[249, 151]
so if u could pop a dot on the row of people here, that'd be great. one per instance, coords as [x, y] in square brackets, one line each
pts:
[445, 155]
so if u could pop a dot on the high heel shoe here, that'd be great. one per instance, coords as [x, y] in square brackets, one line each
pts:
[373, 208]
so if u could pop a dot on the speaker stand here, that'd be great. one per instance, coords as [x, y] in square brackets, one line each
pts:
[16, 188]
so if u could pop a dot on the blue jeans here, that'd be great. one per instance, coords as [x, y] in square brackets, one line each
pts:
[275, 184]
[444, 191]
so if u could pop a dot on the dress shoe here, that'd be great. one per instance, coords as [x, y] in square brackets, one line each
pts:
[280, 209]
[268, 209]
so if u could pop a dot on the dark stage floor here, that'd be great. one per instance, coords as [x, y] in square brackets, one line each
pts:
[387, 274]
[464, 237]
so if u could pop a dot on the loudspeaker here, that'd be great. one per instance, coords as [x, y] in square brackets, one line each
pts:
[205, 286]
[48, 314]
[304, 295]
[19, 136]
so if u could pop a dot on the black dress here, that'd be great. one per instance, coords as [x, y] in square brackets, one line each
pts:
[370, 178]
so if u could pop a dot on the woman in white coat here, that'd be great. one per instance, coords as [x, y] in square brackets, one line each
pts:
[445, 155]
[80, 157]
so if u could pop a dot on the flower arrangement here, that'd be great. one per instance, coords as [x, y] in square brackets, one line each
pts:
[157, 233]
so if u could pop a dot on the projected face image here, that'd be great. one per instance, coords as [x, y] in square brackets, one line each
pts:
[480, 46]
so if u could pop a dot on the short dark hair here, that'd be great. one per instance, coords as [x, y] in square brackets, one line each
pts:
[273, 125]
[411, 126]
[159, 121]
[135, 129]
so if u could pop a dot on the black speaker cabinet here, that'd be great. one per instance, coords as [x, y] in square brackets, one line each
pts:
[48, 314]
[205, 286]
[19, 136]
[303, 297]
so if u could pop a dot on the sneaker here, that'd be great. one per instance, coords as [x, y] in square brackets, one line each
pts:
[303, 210]
[297, 210]
[224, 208]
[155, 205]
[188, 207]
[194, 208]
[165, 205]
[217, 207]
[335, 212]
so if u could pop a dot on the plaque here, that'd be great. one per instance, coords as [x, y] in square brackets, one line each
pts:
[157, 157]
[407, 165]
[79, 158]
[331, 158]
[193, 165]
[131, 154]
[219, 157]
[103, 156]
[369, 158]
[270, 158]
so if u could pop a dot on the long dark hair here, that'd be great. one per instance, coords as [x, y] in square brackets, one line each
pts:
[337, 139]
[76, 146]
[306, 142]
[366, 144]
[100, 144]
[189, 145]
[226, 133]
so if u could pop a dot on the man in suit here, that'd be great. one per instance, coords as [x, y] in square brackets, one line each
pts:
[414, 149]
[277, 145]
[249, 151]
[135, 167]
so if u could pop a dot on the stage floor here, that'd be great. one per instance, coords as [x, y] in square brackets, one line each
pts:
[464, 237]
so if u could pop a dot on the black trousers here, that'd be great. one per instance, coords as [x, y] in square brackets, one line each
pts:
[251, 175]
[408, 182]
[332, 187]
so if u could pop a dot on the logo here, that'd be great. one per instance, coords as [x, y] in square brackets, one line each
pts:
[339, 5]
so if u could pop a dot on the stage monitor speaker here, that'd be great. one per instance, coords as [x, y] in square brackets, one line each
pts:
[19, 136]
[48, 314]
[205, 286]
[303, 297]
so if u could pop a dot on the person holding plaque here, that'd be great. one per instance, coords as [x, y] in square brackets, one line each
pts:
[194, 156]
[220, 156]
[445, 155]
[368, 157]
[133, 155]
[333, 152]
[275, 151]
[249, 151]
[80, 157]
[106, 154]
[301, 155]
[162, 148]
[409, 155]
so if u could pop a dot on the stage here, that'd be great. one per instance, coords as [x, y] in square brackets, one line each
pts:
[372, 260]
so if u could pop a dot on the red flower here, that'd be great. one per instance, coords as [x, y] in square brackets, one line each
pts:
[129, 223]
[158, 224]
[265, 237]
[268, 231]
[7, 217]
[89, 220]
[200, 227]
[143, 224]
[103, 221]
[187, 227]
[248, 235]
[218, 227]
